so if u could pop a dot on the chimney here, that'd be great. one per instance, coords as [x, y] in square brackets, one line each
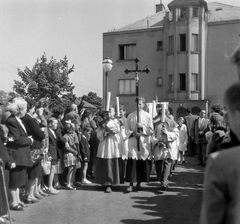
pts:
[159, 7]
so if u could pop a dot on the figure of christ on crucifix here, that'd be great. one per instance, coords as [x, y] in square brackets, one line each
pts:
[140, 128]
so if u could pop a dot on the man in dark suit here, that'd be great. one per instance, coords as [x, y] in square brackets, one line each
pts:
[200, 127]
[188, 120]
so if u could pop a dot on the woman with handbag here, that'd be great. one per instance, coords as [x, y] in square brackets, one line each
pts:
[33, 129]
[40, 116]
[20, 150]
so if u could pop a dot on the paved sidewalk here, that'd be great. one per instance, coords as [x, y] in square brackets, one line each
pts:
[90, 205]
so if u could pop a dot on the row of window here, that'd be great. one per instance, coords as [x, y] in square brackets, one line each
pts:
[128, 51]
[128, 86]
[183, 43]
[183, 82]
[182, 13]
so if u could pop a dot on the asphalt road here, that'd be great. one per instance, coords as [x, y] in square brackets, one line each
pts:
[90, 205]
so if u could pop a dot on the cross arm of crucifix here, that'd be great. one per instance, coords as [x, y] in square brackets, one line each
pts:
[137, 70]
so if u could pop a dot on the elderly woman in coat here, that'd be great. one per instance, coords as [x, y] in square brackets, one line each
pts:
[20, 150]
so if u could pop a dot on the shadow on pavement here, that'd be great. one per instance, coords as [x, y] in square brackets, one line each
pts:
[180, 204]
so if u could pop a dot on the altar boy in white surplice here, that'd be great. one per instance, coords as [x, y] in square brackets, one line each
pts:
[139, 158]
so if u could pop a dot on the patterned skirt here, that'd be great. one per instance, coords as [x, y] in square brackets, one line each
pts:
[71, 160]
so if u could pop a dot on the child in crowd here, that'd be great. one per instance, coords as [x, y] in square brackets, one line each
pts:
[161, 154]
[85, 152]
[124, 140]
[52, 127]
[72, 156]
[183, 138]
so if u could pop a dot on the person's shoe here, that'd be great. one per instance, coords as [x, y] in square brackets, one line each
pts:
[16, 208]
[22, 204]
[69, 187]
[43, 194]
[163, 188]
[38, 196]
[53, 191]
[184, 161]
[108, 190]
[59, 187]
[129, 189]
[45, 188]
[77, 184]
[85, 181]
[31, 200]
[138, 186]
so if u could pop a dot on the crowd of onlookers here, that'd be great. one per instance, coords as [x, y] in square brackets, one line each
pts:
[43, 151]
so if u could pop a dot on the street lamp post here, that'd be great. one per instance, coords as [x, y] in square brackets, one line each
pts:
[107, 67]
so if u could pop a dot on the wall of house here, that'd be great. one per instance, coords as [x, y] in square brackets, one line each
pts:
[146, 51]
[222, 40]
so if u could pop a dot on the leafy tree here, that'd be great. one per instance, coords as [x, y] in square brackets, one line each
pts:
[48, 81]
[12, 95]
[3, 96]
[93, 99]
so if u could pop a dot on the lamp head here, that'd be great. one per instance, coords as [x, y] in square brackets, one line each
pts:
[107, 65]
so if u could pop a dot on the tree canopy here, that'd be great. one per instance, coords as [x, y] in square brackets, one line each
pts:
[93, 99]
[48, 81]
[4, 96]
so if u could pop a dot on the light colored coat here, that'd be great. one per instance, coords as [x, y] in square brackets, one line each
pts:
[183, 138]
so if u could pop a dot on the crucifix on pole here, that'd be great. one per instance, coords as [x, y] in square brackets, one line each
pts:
[137, 71]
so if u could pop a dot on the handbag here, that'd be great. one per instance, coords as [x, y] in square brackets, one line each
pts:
[46, 164]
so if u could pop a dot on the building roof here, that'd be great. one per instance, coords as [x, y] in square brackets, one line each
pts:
[217, 12]
[155, 20]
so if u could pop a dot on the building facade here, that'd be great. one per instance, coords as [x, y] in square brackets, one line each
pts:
[187, 49]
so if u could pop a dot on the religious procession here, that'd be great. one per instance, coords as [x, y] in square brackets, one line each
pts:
[179, 105]
[43, 151]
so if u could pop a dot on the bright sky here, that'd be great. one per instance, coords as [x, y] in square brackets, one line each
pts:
[74, 28]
